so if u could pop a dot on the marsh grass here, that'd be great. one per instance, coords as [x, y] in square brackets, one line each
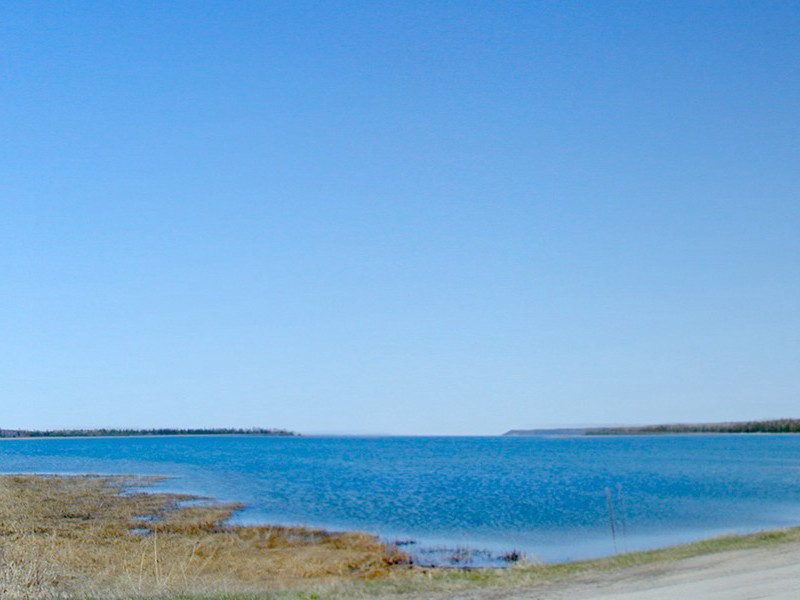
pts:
[92, 536]
[102, 537]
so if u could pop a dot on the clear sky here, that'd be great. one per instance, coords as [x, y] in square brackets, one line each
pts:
[398, 217]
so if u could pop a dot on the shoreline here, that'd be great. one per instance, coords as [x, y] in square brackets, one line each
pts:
[150, 540]
[428, 543]
[109, 536]
[147, 436]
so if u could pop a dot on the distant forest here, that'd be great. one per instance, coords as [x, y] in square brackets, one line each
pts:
[23, 433]
[775, 426]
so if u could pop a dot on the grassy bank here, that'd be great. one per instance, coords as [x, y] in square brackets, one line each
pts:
[94, 536]
[99, 537]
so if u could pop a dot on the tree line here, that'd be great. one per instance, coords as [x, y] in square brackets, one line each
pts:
[18, 433]
[773, 426]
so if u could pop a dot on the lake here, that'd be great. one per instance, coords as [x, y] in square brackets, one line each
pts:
[545, 496]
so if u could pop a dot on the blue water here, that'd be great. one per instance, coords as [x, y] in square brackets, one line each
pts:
[543, 496]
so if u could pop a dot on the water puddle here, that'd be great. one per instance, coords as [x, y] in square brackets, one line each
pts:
[457, 557]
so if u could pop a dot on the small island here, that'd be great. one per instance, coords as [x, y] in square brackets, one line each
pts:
[25, 433]
[770, 426]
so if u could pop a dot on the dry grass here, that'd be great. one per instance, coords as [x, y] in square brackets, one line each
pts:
[76, 537]
[73, 537]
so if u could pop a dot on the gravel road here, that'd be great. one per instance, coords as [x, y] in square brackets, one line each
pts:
[771, 572]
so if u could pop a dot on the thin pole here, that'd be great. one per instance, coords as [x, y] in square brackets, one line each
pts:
[611, 518]
[623, 507]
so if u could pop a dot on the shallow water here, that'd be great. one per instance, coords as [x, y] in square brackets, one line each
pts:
[543, 496]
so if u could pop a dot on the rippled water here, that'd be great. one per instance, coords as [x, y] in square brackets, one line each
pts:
[542, 496]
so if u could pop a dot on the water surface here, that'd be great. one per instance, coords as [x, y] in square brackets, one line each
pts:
[540, 495]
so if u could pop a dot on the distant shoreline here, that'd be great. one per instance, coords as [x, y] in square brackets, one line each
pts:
[775, 426]
[163, 432]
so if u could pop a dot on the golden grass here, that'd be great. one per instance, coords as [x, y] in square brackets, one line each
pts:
[76, 537]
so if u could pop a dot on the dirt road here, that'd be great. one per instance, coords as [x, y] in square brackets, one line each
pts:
[771, 572]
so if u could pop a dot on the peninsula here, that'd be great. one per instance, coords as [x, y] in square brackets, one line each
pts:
[771, 426]
[26, 433]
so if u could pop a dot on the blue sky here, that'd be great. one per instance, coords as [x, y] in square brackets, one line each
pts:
[416, 217]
